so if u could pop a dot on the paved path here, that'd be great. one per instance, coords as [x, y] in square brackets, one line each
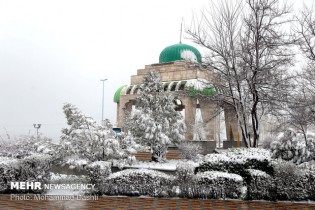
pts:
[111, 203]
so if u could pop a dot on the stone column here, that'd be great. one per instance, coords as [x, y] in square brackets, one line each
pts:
[231, 122]
[127, 107]
[125, 104]
[209, 113]
[119, 116]
[190, 114]
[122, 105]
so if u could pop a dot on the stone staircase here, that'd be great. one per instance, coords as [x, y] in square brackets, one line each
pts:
[173, 154]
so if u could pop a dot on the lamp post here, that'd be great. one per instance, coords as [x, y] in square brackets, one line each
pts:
[37, 126]
[103, 80]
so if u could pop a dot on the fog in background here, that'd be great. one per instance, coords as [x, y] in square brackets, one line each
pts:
[52, 52]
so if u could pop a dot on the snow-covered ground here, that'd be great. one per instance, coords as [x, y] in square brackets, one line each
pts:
[67, 179]
[170, 165]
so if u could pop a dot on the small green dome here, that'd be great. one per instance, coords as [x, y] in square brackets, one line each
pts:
[178, 52]
[117, 94]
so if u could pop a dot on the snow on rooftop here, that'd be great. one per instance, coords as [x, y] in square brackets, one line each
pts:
[198, 84]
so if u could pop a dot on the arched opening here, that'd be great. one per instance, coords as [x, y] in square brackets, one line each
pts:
[129, 90]
[166, 86]
[173, 86]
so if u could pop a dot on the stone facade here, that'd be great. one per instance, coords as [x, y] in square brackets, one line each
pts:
[177, 73]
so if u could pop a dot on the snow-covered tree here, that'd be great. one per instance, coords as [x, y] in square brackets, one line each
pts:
[304, 108]
[200, 130]
[154, 121]
[86, 139]
[250, 49]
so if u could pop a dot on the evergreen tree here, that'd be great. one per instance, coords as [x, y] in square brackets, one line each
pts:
[154, 121]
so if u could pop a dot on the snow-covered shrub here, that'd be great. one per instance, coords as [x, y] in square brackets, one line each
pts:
[35, 168]
[259, 185]
[9, 171]
[237, 161]
[26, 145]
[309, 170]
[184, 177]
[74, 162]
[185, 171]
[138, 182]
[97, 172]
[154, 121]
[310, 165]
[217, 185]
[189, 150]
[85, 138]
[293, 146]
[311, 186]
[290, 181]
[127, 142]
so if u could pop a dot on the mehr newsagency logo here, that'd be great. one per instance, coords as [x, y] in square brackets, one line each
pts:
[39, 186]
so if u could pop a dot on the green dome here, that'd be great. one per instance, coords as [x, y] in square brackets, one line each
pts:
[178, 52]
[117, 94]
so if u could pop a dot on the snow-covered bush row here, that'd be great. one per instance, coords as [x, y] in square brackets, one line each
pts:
[294, 146]
[36, 168]
[33, 168]
[26, 145]
[311, 185]
[288, 182]
[97, 172]
[9, 171]
[237, 161]
[259, 185]
[210, 184]
[292, 182]
[138, 182]
[216, 184]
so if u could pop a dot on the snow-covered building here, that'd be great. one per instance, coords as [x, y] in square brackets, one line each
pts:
[182, 73]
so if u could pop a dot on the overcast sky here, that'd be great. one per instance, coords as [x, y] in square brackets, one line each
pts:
[52, 52]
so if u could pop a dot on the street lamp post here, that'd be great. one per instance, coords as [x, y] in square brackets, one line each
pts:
[103, 80]
[37, 126]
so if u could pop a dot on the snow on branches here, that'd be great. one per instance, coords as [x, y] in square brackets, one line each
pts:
[86, 139]
[154, 121]
[293, 146]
